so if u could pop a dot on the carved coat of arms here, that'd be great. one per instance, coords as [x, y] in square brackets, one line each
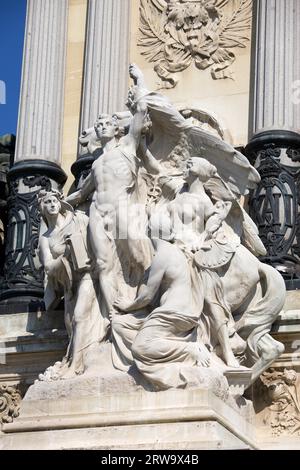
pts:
[176, 33]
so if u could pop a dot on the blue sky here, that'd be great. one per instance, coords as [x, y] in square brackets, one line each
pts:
[12, 25]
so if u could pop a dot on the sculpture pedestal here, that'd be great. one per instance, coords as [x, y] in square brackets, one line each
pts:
[30, 341]
[127, 418]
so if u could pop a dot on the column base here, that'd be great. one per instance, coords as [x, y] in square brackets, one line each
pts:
[23, 274]
[274, 205]
[82, 167]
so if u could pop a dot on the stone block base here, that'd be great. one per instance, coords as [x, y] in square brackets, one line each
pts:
[29, 343]
[137, 419]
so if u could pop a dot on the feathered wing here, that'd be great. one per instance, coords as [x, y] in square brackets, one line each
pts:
[218, 189]
[250, 236]
[235, 174]
[153, 36]
[238, 219]
[161, 5]
[233, 167]
[167, 124]
[235, 28]
[221, 3]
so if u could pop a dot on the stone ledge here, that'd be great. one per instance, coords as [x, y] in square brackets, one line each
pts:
[197, 435]
[29, 343]
[143, 414]
[22, 323]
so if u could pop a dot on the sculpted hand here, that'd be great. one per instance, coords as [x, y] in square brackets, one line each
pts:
[135, 73]
[204, 355]
[196, 246]
[122, 304]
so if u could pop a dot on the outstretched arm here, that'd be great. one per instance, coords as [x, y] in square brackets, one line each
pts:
[137, 123]
[138, 108]
[82, 194]
[132, 139]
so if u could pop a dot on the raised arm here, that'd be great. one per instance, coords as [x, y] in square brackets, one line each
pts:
[138, 108]
[138, 79]
[137, 123]
[149, 162]
[83, 193]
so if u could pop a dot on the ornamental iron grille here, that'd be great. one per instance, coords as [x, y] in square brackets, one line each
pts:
[274, 206]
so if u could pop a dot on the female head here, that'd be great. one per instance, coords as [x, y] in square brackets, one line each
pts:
[51, 204]
[197, 167]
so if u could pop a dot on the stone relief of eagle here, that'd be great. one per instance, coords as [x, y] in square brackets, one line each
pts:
[176, 33]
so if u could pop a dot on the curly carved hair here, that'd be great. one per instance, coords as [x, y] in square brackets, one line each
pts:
[43, 194]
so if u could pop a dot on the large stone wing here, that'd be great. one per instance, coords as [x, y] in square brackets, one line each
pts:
[167, 124]
[153, 37]
[236, 22]
[250, 236]
[233, 167]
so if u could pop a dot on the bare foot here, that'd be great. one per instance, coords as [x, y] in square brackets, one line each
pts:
[237, 344]
[231, 360]
[201, 354]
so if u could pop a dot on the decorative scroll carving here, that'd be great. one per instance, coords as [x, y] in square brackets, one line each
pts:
[22, 265]
[176, 33]
[7, 148]
[274, 208]
[23, 274]
[293, 154]
[280, 394]
[10, 399]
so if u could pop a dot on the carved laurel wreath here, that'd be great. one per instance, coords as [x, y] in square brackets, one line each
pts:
[176, 33]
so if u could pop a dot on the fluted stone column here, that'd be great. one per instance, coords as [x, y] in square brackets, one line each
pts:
[38, 145]
[274, 145]
[275, 66]
[105, 81]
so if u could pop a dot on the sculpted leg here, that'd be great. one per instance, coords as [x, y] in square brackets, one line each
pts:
[82, 307]
[219, 323]
[104, 251]
[88, 330]
[164, 347]
[270, 350]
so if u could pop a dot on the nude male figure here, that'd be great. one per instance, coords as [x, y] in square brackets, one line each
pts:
[113, 181]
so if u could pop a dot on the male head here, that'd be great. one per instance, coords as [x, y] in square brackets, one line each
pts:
[106, 127]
